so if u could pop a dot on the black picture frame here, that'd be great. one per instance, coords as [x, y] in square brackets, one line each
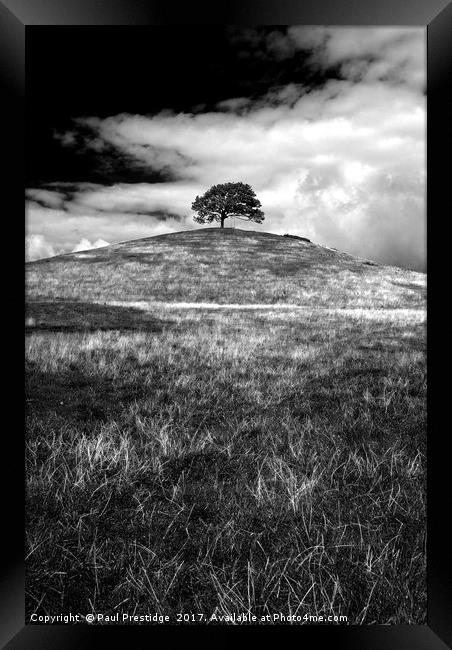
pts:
[18, 16]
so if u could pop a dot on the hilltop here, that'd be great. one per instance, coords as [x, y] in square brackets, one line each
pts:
[211, 265]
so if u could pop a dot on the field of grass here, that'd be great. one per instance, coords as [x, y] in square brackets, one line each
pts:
[192, 459]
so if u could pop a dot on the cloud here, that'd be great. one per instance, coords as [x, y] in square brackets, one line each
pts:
[392, 54]
[66, 228]
[50, 198]
[84, 245]
[342, 163]
[377, 214]
[37, 247]
[267, 140]
[158, 200]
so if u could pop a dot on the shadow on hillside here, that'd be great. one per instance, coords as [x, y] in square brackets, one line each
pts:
[115, 259]
[148, 258]
[419, 289]
[74, 316]
[78, 394]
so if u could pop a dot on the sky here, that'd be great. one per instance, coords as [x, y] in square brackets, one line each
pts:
[126, 126]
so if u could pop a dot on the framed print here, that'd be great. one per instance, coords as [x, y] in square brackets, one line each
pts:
[227, 224]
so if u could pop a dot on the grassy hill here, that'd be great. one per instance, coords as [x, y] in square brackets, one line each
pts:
[229, 266]
[225, 422]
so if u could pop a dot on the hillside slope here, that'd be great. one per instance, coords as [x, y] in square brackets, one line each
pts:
[224, 266]
[268, 458]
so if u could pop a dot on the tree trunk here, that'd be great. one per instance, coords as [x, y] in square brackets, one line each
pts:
[222, 221]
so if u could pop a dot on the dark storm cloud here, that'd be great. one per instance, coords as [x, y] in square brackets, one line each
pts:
[385, 54]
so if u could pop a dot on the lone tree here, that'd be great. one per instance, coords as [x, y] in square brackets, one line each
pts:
[228, 200]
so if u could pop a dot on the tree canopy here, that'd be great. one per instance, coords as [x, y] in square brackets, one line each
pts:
[228, 200]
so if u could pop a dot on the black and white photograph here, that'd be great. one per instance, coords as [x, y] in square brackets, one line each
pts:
[225, 325]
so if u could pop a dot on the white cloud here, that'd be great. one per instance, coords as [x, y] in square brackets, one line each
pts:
[66, 228]
[138, 198]
[84, 245]
[37, 247]
[50, 198]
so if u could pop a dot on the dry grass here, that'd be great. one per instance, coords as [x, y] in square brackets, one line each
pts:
[221, 461]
